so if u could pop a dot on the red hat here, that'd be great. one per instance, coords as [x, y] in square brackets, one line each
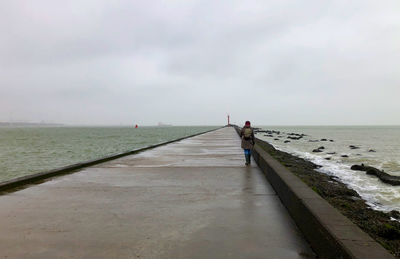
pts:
[247, 123]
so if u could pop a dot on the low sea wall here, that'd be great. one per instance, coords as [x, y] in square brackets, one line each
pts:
[329, 233]
[22, 182]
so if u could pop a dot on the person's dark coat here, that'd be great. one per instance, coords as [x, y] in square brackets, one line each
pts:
[247, 143]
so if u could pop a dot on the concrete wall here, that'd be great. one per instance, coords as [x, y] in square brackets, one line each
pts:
[330, 234]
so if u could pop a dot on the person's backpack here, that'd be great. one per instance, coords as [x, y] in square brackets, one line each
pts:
[247, 133]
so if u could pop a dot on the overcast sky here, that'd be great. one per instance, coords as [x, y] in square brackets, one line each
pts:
[192, 62]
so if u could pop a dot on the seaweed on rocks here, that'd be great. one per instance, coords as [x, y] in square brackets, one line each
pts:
[383, 227]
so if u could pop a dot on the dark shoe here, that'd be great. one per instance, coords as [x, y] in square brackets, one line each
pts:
[247, 159]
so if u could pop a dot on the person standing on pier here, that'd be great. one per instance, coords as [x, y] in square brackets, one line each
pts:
[247, 135]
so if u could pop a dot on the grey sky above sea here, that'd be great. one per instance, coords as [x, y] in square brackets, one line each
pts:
[192, 62]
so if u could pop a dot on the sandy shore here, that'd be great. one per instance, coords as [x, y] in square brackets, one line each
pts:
[379, 225]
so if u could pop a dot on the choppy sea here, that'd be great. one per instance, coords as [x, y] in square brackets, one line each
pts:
[384, 140]
[28, 150]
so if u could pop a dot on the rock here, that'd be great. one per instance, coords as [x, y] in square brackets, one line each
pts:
[318, 149]
[327, 158]
[389, 232]
[353, 147]
[384, 177]
[344, 156]
[313, 140]
[260, 131]
[294, 138]
[296, 134]
[331, 140]
[361, 167]
[358, 167]
[371, 150]
[286, 141]
[276, 139]
[324, 139]
[395, 214]
[355, 198]
[331, 153]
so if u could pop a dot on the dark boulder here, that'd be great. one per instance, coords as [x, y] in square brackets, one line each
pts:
[344, 156]
[320, 149]
[286, 141]
[389, 232]
[324, 139]
[260, 131]
[373, 171]
[395, 214]
[371, 150]
[353, 147]
[358, 167]
[384, 177]
[294, 138]
[331, 153]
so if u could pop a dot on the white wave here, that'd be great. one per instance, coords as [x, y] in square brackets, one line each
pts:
[378, 195]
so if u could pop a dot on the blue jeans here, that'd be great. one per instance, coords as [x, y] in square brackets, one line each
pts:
[247, 152]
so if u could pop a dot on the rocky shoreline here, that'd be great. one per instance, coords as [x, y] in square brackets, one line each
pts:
[383, 227]
[380, 174]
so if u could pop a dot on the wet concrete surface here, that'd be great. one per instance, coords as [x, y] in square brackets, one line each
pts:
[190, 199]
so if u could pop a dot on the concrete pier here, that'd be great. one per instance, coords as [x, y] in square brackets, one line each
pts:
[191, 199]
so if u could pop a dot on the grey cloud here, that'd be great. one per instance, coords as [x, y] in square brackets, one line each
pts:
[111, 62]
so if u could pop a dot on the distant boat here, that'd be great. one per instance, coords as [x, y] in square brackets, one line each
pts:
[136, 126]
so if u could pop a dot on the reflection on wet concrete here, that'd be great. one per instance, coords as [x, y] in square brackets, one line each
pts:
[190, 199]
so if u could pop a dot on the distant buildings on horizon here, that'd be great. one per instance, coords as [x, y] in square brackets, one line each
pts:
[29, 124]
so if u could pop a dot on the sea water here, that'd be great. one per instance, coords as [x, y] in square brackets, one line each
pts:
[28, 150]
[385, 140]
